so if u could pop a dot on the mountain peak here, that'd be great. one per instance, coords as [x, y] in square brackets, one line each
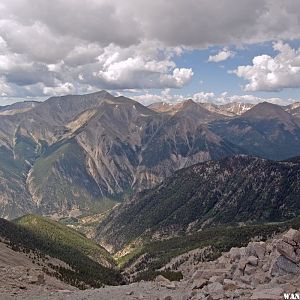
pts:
[189, 102]
[102, 93]
[267, 110]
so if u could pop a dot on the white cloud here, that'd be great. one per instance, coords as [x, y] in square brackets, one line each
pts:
[143, 66]
[272, 73]
[221, 55]
[208, 97]
[4, 87]
[179, 78]
[223, 99]
[173, 23]
[60, 89]
[116, 44]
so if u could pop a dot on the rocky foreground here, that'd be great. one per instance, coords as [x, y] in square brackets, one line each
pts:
[262, 270]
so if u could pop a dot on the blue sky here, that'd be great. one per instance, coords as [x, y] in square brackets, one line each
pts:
[216, 76]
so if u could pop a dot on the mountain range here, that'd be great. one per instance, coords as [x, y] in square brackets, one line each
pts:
[236, 190]
[82, 153]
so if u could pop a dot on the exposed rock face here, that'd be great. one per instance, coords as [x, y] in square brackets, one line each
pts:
[76, 153]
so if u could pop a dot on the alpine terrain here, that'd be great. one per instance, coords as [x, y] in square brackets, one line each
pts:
[76, 155]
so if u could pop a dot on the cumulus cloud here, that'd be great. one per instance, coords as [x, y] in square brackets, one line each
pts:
[221, 55]
[59, 89]
[191, 22]
[49, 46]
[207, 97]
[272, 73]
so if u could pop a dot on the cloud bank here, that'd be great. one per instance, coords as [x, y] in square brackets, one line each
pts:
[208, 97]
[64, 46]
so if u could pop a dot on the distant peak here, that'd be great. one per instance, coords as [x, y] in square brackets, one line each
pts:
[189, 102]
[101, 93]
[267, 110]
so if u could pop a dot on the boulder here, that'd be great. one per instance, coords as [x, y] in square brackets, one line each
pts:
[162, 279]
[214, 290]
[231, 285]
[199, 284]
[37, 279]
[267, 294]
[260, 277]
[252, 260]
[292, 237]
[282, 266]
[242, 263]
[288, 251]
[219, 278]
[208, 273]
[234, 254]
[257, 249]
[197, 275]
[250, 270]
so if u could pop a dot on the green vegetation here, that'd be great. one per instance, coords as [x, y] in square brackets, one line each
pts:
[151, 275]
[61, 177]
[154, 255]
[65, 236]
[85, 258]
[238, 189]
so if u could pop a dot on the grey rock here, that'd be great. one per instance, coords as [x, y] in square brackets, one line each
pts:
[234, 254]
[267, 294]
[252, 260]
[282, 266]
[292, 237]
[199, 284]
[257, 249]
[214, 290]
[288, 251]
[250, 270]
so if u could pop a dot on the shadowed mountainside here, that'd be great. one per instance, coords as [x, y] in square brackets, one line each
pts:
[239, 189]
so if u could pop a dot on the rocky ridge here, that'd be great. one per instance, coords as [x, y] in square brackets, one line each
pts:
[240, 189]
[80, 153]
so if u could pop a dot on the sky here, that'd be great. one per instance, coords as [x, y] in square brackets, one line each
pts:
[215, 51]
